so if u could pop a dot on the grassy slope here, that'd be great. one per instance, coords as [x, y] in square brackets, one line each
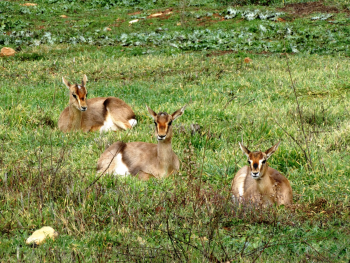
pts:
[187, 216]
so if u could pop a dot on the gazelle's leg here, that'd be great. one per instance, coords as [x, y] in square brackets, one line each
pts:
[144, 176]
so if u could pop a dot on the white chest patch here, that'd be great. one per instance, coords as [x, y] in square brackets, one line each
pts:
[240, 183]
[108, 125]
[120, 168]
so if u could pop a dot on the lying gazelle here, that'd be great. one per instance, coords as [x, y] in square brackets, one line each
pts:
[260, 183]
[96, 114]
[144, 159]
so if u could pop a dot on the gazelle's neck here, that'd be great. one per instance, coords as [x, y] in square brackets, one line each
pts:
[75, 117]
[165, 154]
[264, 183]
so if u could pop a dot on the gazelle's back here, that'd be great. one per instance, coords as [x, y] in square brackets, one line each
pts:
[136, 156]
[282, 186]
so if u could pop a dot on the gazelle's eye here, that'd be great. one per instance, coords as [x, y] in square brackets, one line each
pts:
[86, 95]
[170, 123]
[75, 96]
[264, 161]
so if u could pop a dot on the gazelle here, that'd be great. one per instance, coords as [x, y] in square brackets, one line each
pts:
[96, 114]
[259, 182]
[144, 159]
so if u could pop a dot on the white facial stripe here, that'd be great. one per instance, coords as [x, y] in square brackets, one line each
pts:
[260, 163]
[79, 87]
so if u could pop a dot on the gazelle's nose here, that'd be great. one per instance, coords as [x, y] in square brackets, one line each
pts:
[255, 174]
[83, 108]
[161, 137]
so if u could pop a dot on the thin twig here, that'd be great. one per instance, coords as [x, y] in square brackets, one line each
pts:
[300, 114]
[304, 152]
[205, 147]
[316, 251]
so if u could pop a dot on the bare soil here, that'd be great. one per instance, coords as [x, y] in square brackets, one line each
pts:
[204, 21]
[303, 9]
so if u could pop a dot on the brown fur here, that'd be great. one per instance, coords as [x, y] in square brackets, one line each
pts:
[145, 159]
[97, 110]
[271, 187]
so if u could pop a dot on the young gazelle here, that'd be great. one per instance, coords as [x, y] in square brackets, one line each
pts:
[144, 159]
[96, 114]
[260, 183]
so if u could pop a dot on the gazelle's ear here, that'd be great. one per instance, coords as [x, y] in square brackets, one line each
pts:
[65, 82]
[178, 113]
[244, 149]
[151, 112]
[270, 151]
[83, 83]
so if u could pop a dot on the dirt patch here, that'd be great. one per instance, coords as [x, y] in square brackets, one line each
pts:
[219, 53]
[204, 21]
[320, 207]
[302, 9]
[134, 13]
[224, 52]
[118, 23]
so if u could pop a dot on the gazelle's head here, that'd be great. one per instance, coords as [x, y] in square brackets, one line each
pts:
[77, 94]
[163, 122]
[257, 160]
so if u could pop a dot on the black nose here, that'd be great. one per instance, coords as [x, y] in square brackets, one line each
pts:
[83, 108]
[255, 173]
[161, 136]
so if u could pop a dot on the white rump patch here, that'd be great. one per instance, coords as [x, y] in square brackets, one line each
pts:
[108, 125]
[133, 122]
[120, 168]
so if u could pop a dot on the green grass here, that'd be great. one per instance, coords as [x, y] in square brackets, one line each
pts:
[46, 176]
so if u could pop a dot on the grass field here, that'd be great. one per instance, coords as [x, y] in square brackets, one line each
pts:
[193, 56]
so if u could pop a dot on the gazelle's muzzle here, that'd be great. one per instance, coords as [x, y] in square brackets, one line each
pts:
[161, 137]
[255, 175]
[162, 131]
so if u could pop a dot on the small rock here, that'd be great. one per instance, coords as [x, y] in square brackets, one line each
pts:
[7, 52]
[39, 236]
[155, 15]
[28, 4]
[134, 21]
